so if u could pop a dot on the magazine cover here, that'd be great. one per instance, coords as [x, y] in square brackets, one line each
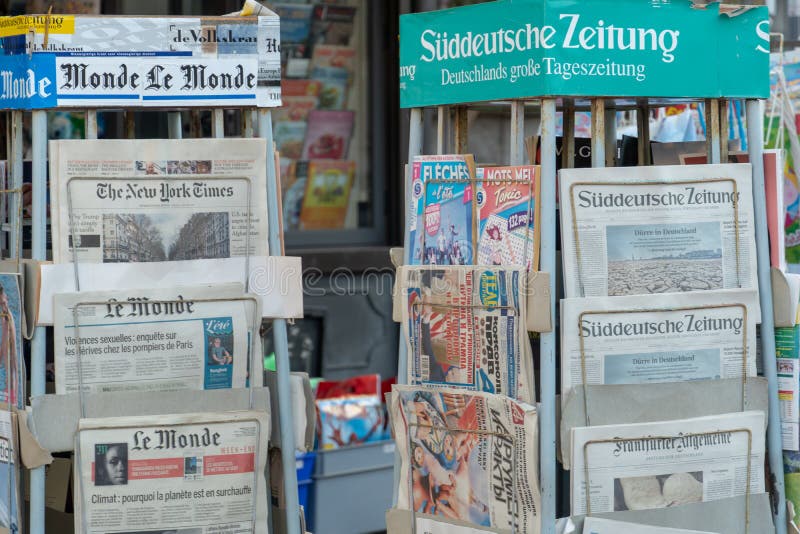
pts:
[304, 87]
[443, 219]
[508, 212]
[293, 195]
[335, 80]
[199, 473]
[327, 194]
[289, 137]
[465, 328]
[332, 24]
[295, 108]
[295, 22]
[12, 362]
[328, 134]
[342, 57]
[468, 456]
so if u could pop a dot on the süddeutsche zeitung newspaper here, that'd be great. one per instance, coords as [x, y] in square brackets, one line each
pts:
[157, 200]
[667, 463]
[198, 473]
[671, 229]
[467, 455]
[465, 328]
[157, 339]
[703, 335]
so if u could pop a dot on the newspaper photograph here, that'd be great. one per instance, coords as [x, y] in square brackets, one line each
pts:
[151, 200]
[645, 230]
[199, 337]
[12, 361]
[596, 525]
[667, 463]
[705, 335]
[465, 327]
[10, 516]
[191, 474]
[468, 456]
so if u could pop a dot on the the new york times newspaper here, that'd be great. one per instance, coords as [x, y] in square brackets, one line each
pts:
[192, 473]
[469, 456]
[596, 525]
[465, 328]
[667, 463]
[671, 229]
[703, 335]
[158, 200]
[196, 337]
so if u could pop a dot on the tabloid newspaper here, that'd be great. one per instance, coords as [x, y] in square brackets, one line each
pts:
[635, 340]
[460, 215]
[465, 328]
[671, 229]
[667, 463]
[192, 473]
[10, 516]
[596, 525]
[158, 199]
[467, 456]
[157, 339]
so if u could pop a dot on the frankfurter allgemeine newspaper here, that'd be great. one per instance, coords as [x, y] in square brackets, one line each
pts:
[465, 327]
[197, 337]
[150, 200]
[637, 339]
[645, 230]
[193, 473]
[467, 455]
[667, 463]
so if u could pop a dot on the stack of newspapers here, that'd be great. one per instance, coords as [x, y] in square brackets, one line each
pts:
[156, 334]
[661, 307]
[465, 423]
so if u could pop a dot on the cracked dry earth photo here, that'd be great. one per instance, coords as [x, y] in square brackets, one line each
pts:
[637, 277]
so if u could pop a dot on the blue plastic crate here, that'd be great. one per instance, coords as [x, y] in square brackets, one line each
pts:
[305, 466]
[303, 490]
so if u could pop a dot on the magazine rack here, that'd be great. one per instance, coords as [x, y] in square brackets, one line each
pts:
[431, 77]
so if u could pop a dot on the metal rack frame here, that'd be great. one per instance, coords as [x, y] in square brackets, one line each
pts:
[39, 252]
[603, 134]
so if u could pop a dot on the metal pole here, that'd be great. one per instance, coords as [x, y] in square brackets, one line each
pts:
[755, 143]
[723, 131]
[712, 130]
[218, 123]
[598, 133]
[567, 134]
[517, 155]
[174, 127]
[281, 343]
[611, 136]
[547, 374]
[91, 124]
[415, 138]
[643, 131]
[16, 179]
[38, 252]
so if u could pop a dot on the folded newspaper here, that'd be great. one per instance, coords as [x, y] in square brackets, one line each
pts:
[596, 525]
[639, 340]
[671, 229]
[465, 328]
[194, 473]
[200, 337]
[667, 463]
[469, 456]
[158, 199]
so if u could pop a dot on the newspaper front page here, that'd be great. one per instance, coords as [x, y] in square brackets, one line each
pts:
[596, 525]
[465, 328]
[644, 230]
[10, 516]
[157, 339]
[635, 340]
[467, 456]
[191, 474]
[155, 200]
[667, 463]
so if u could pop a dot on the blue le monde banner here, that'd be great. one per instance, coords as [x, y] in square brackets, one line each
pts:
[617, 48]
